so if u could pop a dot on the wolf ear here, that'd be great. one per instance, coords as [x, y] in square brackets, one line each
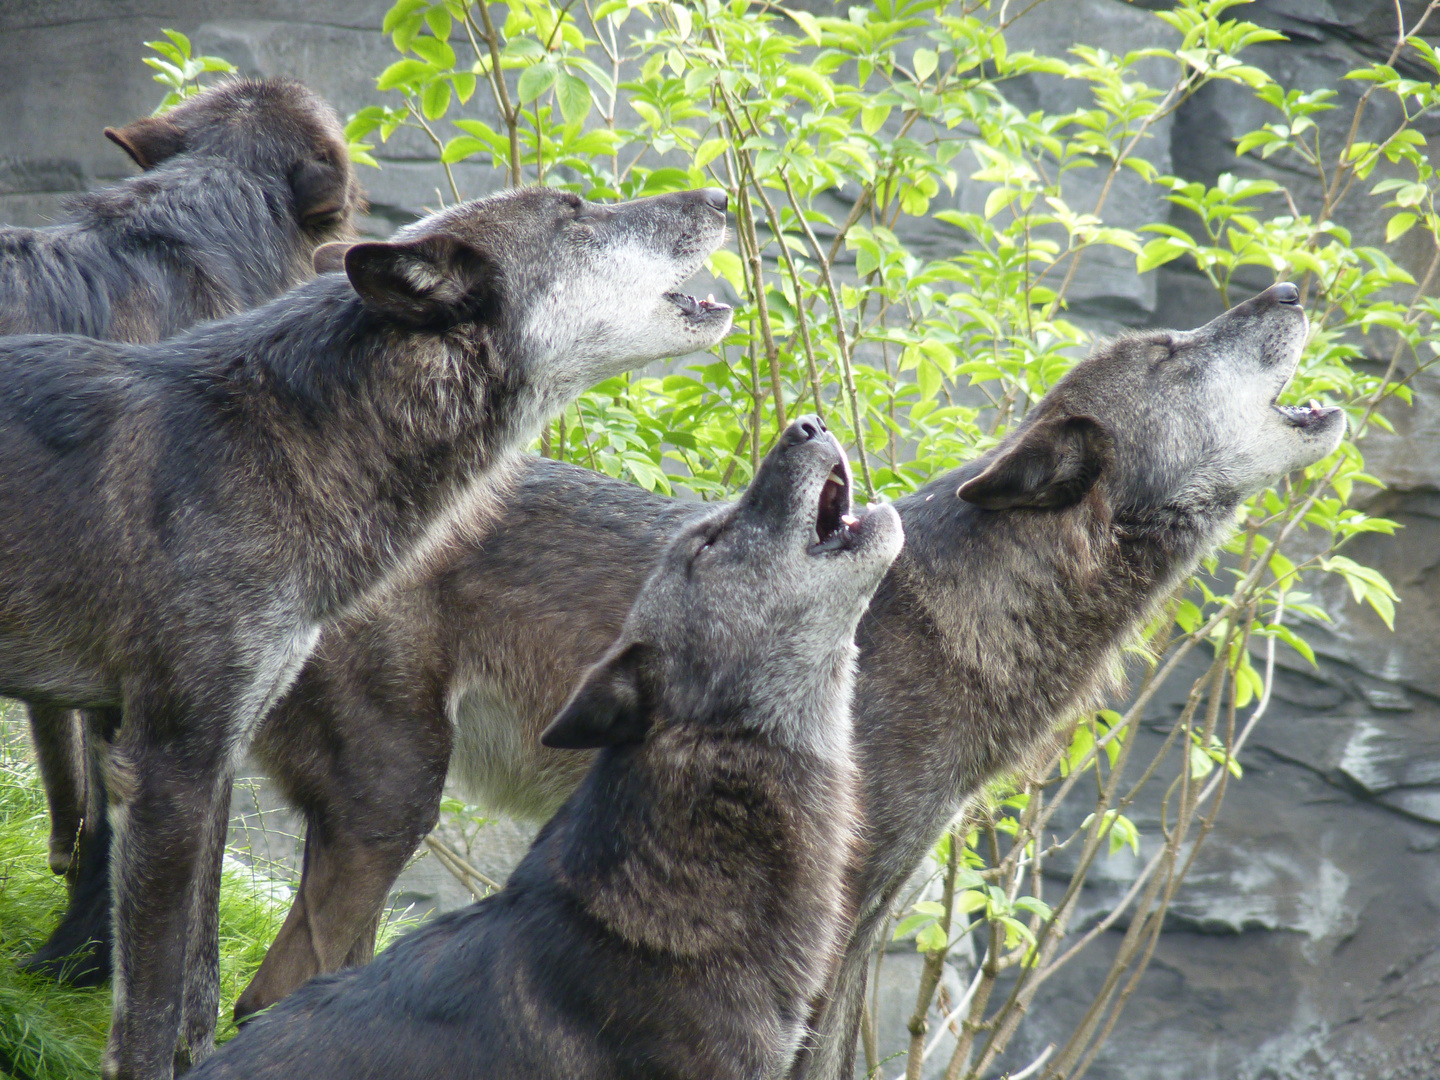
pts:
[320, 191]
[432, 280]
[330, 258]
[149, 140]
[1053, 464]
[608, 708]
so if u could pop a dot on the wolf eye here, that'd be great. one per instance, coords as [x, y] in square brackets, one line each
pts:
[705, 539]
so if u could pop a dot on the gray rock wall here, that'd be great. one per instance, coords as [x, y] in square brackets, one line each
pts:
[1306, 943]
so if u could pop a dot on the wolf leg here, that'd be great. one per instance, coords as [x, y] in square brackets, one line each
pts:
[367, 769]
[60, 751]
[166, 778]
[346, 878]
[201, 1002]
[78, 951]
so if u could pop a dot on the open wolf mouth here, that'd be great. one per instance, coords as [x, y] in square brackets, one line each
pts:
[1305, 417]
[836, 527]
[697, 310]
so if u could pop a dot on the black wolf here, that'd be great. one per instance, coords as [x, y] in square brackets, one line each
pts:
[178, 520]
[683, 911]
[243, 183]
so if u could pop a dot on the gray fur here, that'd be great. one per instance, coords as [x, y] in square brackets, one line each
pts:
[180, 519]
[684, 910]
[994, 627]
[243, 182]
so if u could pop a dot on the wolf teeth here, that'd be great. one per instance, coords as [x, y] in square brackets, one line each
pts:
[1315, 405]
[849, 519]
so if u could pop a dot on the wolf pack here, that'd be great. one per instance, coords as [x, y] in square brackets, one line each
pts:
[263, 490]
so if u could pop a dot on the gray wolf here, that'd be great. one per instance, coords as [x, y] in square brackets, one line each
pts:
[1023, 575]
[683, 910]
[178, 520]
[243, 183]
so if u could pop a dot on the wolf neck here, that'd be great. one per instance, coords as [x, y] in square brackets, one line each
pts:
[1030, 609]
[375, 439]
[702, 846]
[211, 219]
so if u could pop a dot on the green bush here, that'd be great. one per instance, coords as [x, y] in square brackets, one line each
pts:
[54, 1032]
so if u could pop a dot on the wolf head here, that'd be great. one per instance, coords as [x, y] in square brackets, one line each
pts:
[748, 620]
[577, 290]
[272, 128]
[1169, 423]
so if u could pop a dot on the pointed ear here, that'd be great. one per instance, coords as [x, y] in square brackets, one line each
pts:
[320, 191]
[432, 280]
[607, 709]
[1052, 464]
[330, 258]
[149, 140]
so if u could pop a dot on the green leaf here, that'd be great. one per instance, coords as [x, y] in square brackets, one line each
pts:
[402, 10]
[873, 117]
[709, 150]
[464, 83]
[932, 939]
[806, 22]
[926, 61]
[462, 146]
[727, 265]
[1399, 225]
[181, 41]
[438, 19]
[908, 925]
[573, 94]
[437, 53]
[534, 81]
[1034, 906]
[403, 74]
[818, 86]
[436, 99]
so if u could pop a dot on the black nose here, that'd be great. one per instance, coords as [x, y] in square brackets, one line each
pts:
[713, 196]
[804, 429]
[1285, 293]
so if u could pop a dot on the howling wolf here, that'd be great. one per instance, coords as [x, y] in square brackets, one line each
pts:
[1023, 575]
[682, 913]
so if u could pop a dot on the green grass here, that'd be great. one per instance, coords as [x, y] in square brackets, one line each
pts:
[52, 1032]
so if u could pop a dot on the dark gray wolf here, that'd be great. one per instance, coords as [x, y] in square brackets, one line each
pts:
[243, 183]
[178, 520]
[683, 911]
[1023, 575]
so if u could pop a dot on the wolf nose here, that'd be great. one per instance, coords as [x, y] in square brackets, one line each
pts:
[716, 198]
[804, 429]
[1286, 293]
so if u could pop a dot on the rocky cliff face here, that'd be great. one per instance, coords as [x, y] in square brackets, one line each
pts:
[1306, 943]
